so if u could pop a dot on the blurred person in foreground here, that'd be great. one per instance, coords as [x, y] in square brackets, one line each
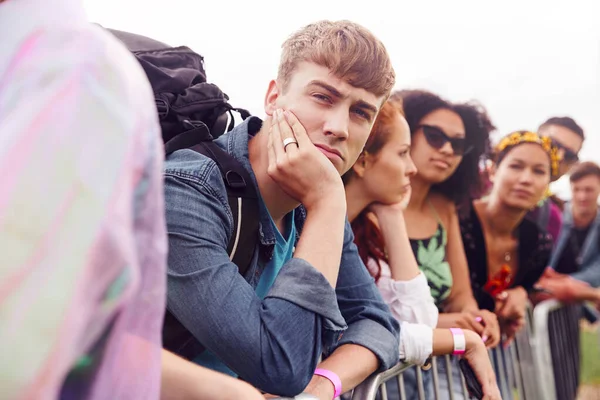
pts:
[82, 229]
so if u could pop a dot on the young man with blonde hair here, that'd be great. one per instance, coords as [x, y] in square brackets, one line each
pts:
[306, 293]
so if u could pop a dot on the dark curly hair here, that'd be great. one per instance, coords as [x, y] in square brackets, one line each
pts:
[467, 181]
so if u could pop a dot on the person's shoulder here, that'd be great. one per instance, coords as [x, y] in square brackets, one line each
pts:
[189, 165]
[93, 58]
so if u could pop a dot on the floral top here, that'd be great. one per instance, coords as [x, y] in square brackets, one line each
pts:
[534, 251]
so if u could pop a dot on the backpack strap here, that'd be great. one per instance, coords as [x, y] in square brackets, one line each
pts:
[241, 192]
[243, 201]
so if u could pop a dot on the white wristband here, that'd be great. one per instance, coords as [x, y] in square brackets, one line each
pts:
[460, 343]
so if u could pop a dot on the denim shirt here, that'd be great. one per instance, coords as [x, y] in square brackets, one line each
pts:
[589, 271]
[273, 343]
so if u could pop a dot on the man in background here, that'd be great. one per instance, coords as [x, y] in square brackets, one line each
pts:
[568, 137]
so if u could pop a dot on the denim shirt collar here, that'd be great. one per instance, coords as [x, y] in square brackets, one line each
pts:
[235, 142]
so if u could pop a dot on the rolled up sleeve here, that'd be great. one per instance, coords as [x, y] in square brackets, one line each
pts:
[409, 301]
[301, 284]
[416, 343]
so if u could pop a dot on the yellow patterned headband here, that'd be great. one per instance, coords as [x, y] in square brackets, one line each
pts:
[519, 137]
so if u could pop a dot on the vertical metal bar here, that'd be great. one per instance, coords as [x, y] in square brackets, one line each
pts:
[509, 367]
[517, 369]
[501, 372]
[401, 388]
[420, 386]
[436, 379]
[541, 349]
[449, 375]
[383, 392]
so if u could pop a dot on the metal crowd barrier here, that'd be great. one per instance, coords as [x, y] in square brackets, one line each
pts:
[546, 350]
[557, 344]
[369, 388]
[514, 366]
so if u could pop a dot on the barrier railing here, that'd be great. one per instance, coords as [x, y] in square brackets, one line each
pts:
[543, 356]
[546, 350]
[557, 345]
[514, 366]
[369, 388]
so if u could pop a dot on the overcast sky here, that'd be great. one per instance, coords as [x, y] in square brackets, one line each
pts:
[524, 60]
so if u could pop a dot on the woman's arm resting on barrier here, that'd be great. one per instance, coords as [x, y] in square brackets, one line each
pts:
[182, 380]
[461, 297]
[351, 363]
[482, 322]
[477, 356]
[511, 306]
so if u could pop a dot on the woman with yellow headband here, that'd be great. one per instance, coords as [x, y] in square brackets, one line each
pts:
[506, 252]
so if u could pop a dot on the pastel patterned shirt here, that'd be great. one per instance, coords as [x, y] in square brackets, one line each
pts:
[82, 230]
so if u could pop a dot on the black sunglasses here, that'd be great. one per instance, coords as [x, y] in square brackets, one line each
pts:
[437, 138]
[569, 156]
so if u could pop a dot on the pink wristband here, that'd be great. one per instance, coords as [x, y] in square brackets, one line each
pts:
[333, 378]
[460, 343]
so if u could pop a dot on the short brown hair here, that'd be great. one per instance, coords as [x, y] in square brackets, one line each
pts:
[348, 49]
[584, 169]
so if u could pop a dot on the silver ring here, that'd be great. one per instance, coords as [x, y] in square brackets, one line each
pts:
[288, 141]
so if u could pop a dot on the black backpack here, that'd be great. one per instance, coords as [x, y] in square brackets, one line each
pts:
[192, 113]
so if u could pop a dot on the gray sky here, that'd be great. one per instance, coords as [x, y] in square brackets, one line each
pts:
[523, 60]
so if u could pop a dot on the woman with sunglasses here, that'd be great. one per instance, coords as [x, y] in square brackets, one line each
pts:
[377, 190]
[448, 142]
